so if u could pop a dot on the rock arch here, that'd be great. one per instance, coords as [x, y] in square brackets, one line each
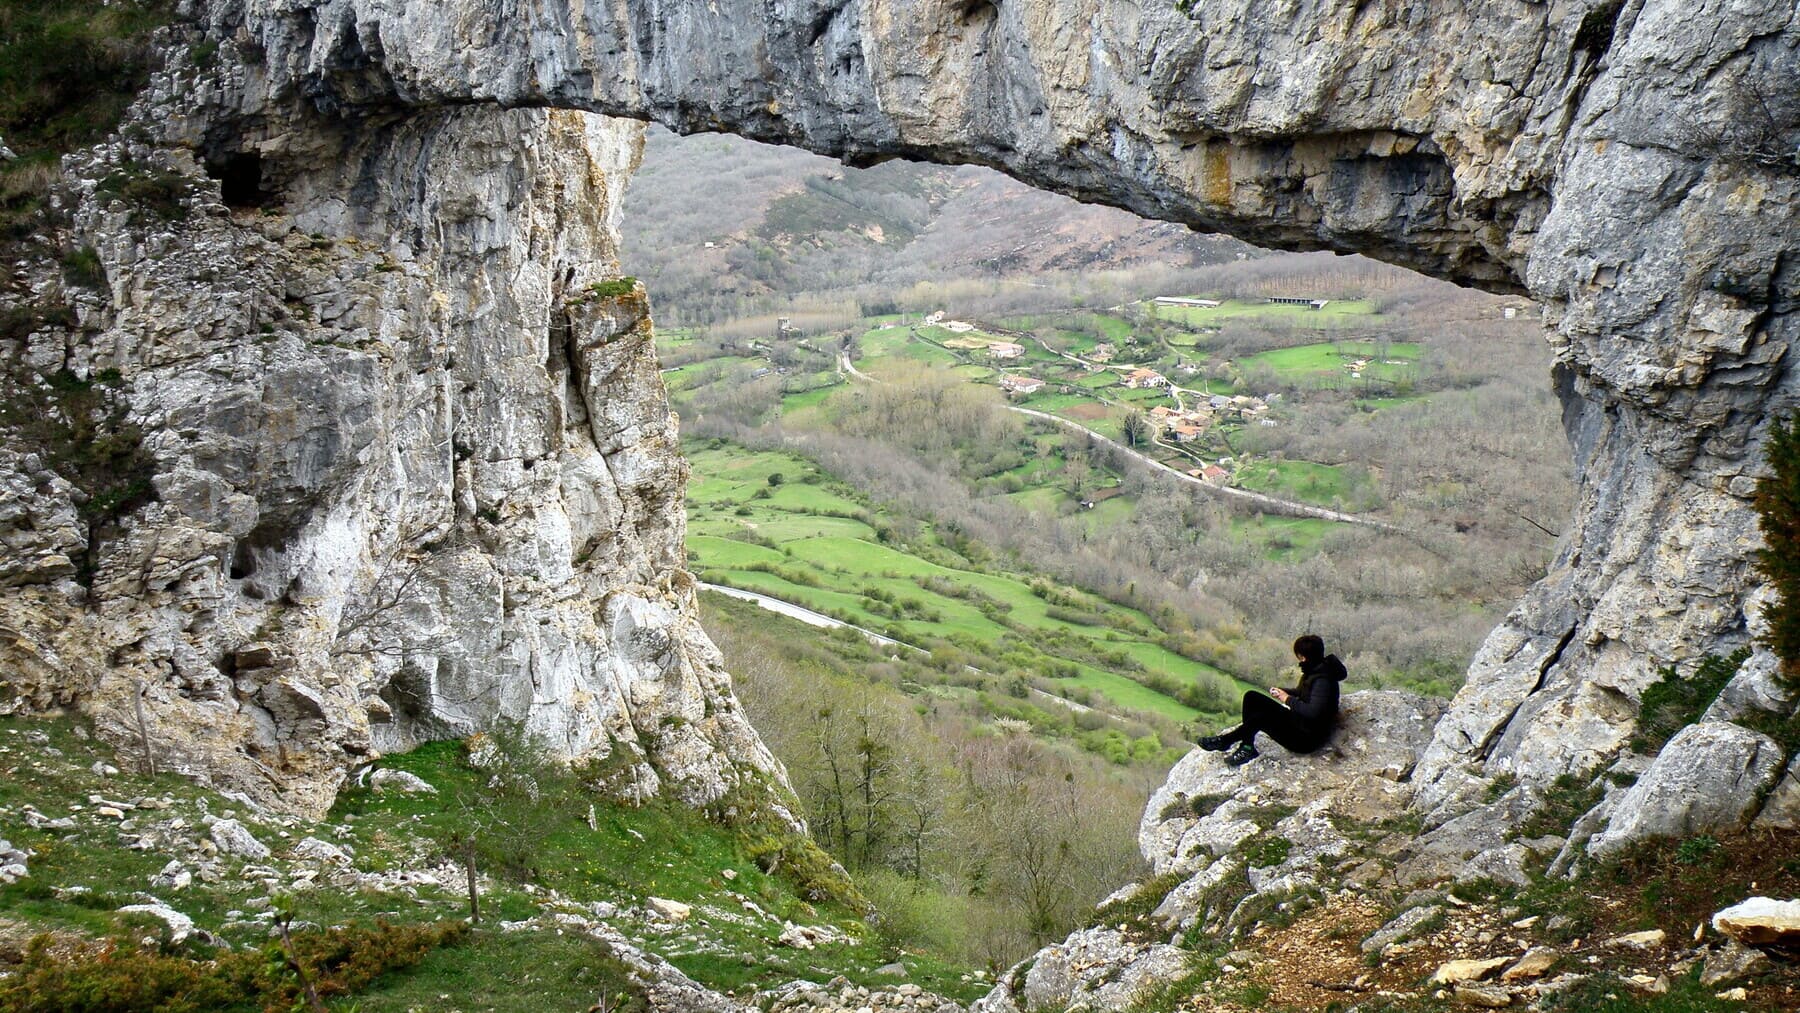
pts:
[1631, 165]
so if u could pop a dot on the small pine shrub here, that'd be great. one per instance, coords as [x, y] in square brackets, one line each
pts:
[1674, 702]
[149, 191]
[1565, 800]
[1266, 851]
[1778, 505]
[1134, 912]
[82, 267]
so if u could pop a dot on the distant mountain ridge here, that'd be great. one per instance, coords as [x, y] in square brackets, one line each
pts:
[716, 211]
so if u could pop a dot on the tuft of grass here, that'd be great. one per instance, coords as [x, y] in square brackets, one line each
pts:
[1172, 995]
[510, 971]
[1674, 885]
[1500, 785]
[150, 191]
[68, 70]
[1134, 911]
[1674, 702]
[82, 267]
[1608, 993]
[613, 288]
[1564, 802]
[1267, 850]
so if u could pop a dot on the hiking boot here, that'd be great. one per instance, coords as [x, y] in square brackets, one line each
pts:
[1244, 753]
[1220, 742]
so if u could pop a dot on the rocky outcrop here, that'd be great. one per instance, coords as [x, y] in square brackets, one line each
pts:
[1101, 969]
[1762, 921]
[412, 473]
[1229, 846]
[1711, 775]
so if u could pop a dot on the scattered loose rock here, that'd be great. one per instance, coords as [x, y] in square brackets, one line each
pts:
[13, 865]
[1401, 927]
[673, 910]
[174, 876]
[1761, 921]
[232, 838]
[314, 850]
[1534, 964]
[805, 937]
[1729, 962]
[1484, 996]
[1458, 971]
[1648, 940]
[401, 781]
[180, 925]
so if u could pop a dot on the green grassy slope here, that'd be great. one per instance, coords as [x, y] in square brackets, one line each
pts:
[573, 850]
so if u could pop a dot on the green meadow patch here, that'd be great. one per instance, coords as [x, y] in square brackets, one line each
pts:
[1331, 363]
[811, 541]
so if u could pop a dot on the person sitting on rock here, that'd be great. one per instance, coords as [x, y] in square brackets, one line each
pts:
[1300, 719]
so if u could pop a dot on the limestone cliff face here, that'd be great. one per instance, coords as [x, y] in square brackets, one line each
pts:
[415, 471]
[1631, 165]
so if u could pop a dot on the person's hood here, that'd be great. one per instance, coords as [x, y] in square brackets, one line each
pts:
[1328, 665]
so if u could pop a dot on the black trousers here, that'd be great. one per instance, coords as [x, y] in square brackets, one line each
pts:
[1262, 714]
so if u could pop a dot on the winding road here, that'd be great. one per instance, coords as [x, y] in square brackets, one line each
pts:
[1265, 503]
[805, 615]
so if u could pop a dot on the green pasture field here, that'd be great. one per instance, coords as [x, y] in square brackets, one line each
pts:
[808, 399]
[1322, 484]
[1053, 403]
[1282, 538]
[679, 377]
[838, 565]
[1112, 328]
[1331, 357]
[1337, 313]
[1044, 499]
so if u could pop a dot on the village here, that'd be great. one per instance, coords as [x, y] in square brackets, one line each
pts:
[1195, 385]
[1118, 378]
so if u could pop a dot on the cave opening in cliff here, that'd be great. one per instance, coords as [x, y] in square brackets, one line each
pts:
[241, 183]
[1240, 443]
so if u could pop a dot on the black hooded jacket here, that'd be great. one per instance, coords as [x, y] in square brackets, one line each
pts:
[1315, 700]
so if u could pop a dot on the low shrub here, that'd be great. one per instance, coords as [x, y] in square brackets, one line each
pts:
[119, 976]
